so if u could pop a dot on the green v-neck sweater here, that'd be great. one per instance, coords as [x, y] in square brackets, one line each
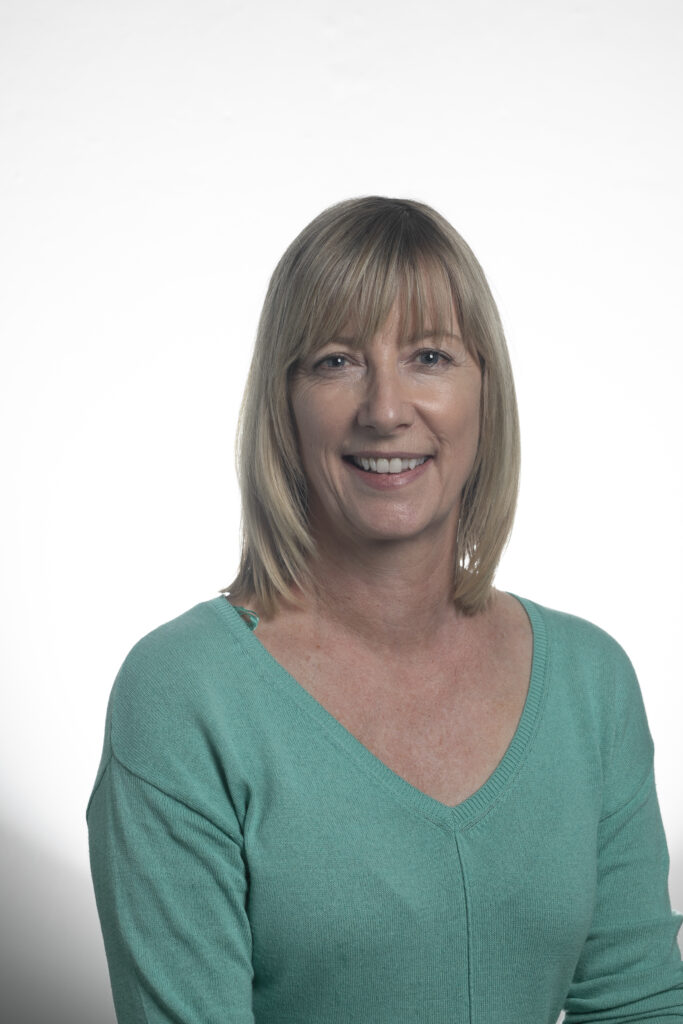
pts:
[254, 862]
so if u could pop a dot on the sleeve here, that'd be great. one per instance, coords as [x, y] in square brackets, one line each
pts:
[171, 889]
[630, 967]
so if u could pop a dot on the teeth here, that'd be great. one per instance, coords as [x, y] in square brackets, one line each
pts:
[388, 465]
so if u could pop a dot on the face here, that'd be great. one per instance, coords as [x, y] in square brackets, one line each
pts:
[388, 435]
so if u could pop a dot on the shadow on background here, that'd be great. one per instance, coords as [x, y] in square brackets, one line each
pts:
[52, 963]
[676, 887]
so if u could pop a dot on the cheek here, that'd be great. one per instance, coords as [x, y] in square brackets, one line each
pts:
[320, 409]
[462, 430]
[460, 417]
[315, 426]
[303, 413]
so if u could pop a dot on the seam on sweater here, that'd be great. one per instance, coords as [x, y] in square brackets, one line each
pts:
[647, 781]
[238, 842]
[102, 773]
[468, 926]
[140, 988]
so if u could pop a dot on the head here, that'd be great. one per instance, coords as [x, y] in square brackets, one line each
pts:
[350, 268]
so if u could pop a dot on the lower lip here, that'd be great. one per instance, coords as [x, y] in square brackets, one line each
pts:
[387, 481]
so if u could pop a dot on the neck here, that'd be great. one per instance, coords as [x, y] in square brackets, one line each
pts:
[388, 597]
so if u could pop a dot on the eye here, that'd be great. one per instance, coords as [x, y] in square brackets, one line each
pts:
[333, 362]
[431, 357]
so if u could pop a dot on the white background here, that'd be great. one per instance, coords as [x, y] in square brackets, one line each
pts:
[157, 158]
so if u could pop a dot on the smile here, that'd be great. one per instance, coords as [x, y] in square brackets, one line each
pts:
[395, 465]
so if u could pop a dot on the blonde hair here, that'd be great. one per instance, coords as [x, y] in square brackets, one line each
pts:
[349, 265]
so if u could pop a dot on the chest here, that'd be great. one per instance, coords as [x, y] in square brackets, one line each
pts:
[443, 728]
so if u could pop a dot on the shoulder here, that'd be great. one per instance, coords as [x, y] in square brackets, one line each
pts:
[575, 640]
[596, 677]
[565, 641]
[171, 660]
[208, 622]
[175, 689]
[586, 658]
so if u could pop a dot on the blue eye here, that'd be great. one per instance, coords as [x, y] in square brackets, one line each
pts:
[431, 357]
[334, 362]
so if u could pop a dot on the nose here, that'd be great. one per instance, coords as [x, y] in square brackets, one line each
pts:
[385, 405]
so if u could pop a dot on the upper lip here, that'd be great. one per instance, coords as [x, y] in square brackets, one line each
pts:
[387, 455]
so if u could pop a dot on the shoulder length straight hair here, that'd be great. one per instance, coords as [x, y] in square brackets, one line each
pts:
[348, 266]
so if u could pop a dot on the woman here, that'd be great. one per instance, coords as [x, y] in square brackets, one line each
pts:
[362, 785]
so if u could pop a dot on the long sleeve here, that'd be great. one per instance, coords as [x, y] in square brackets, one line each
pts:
[630, 968]
[166, 833]
[171, 889]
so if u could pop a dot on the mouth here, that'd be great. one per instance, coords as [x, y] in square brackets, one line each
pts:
[384, 466]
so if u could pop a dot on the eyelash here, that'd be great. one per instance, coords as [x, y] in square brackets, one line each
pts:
[320, 365]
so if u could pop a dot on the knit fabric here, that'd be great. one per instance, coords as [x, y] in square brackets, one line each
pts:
[254, 863]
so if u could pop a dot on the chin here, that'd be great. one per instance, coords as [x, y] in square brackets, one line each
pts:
[403, 530]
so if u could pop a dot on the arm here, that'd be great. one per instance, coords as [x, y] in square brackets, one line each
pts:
[171, 890]
[630, 968]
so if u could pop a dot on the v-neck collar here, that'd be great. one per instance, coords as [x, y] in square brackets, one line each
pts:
[457, 817]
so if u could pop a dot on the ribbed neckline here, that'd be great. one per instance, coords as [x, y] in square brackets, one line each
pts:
[458, 817]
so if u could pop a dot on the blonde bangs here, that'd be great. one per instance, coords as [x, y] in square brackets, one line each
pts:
[355, 292]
